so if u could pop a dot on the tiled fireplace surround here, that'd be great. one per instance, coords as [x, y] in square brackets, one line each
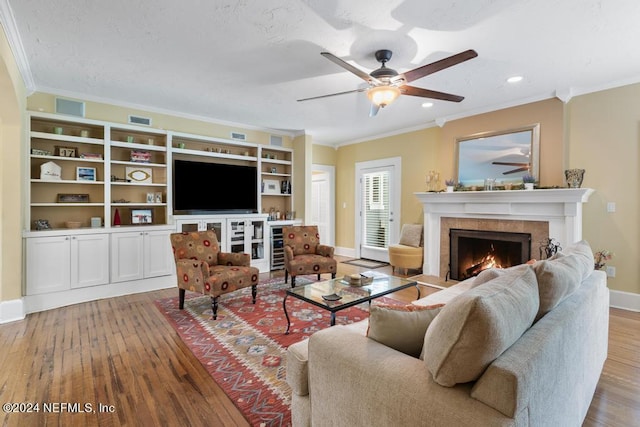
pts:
[555, 213]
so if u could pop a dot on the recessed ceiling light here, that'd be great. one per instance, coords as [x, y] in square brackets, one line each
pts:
[514, 79]
[427, 104]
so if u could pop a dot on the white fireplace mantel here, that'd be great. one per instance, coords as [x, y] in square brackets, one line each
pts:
[561, 208]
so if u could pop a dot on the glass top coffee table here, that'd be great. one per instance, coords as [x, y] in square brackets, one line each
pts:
[337, 294]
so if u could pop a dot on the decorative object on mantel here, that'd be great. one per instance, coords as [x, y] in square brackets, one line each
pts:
[574, 177]
[50, 172]
[549, 247]
[528, 181]
[450, 183]
[601, 257]
[433, 181]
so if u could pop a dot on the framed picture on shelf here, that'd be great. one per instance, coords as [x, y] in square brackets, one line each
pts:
[270, 186]
[141, 216]
[73, 198]
[158, 197]
[140, 175]
[85, 174]
[150, 197]
[140, 156]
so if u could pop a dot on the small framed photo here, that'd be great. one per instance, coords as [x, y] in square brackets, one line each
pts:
[158, 197]
[65, 151]
[151, 197]
[274, 170]
[271, 186]
[141, 216]
[85, 174]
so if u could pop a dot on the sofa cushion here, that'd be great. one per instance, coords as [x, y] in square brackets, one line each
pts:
[560, 276]
[401, 327]
[411, 235]
[492, 273]
[477, 326]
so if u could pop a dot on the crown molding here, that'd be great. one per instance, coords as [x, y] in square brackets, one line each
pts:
[8, 22]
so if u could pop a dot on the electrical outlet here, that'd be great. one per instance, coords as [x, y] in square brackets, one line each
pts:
[611, 271]
[611, 207]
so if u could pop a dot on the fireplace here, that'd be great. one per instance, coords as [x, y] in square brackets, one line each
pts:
[472, 251]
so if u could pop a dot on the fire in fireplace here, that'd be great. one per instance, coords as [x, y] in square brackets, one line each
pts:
[472, 251]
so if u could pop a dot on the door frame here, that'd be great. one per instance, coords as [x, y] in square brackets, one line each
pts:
[395, 197]
[331, 173]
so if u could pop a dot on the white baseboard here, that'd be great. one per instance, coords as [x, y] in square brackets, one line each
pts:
[624, 300]
[11, 310]
[35, 303]
[348, 252]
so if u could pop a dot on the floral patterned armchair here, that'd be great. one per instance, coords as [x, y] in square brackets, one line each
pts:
[303, 253]
[201, 267]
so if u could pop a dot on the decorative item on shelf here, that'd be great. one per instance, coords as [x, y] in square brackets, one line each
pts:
[84, 133]
[130, 139]
[489, 184]
[65, 151]
[96, 222]
[290, 215]
[73, 224]
[450, 184]
[601, 257]
[574, 177]
[285, 187]
[180, 145]
[151, 141]
[274, 170]
[158, 197]
[433, 181]
[139, 175]
[38, 152]
[116, 218]
[141, 216]
[42, 224]
[528, 181]
[85, 174]
[50, 172]
[91, 156]
[140, 156]
[73, 198]
[508, 185]
[549, 248]
[120, 201]
[57, 130]
[151, 197]
[271, 186]
[116, 179]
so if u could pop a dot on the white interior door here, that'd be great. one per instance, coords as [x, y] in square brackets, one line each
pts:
[323, 202]
[378, 203]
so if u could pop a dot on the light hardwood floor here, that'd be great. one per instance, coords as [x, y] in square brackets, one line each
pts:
[123, 354]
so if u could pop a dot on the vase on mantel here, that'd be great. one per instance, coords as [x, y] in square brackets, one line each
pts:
[449, 188]
[528, 185]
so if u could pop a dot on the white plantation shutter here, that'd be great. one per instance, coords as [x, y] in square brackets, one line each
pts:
[376, 209]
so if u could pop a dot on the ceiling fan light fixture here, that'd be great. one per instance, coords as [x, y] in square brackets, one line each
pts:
[383, 95]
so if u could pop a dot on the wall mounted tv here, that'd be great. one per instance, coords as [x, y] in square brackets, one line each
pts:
[200, 187]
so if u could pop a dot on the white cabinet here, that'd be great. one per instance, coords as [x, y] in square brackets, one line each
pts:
[60, 263]
[203, 224]
[140, 254]
[247, 235]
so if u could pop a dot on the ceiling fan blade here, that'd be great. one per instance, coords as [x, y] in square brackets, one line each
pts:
[510, 164]
[516, 170]
[333, 94]
[426, 93]
[425, 70]
[358, 72]
[374, 110]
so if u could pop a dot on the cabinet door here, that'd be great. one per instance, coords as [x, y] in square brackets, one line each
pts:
[158, 255]
[188, 225]
[48, 264]
[127, 255]
[217, 225]
[236, 236]
[89, 260]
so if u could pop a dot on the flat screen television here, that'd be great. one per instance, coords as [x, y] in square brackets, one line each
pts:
[200, 187]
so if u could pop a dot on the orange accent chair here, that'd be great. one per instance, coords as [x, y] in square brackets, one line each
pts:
[303, 253]
[202, 268]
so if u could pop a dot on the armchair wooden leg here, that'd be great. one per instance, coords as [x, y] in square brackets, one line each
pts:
[214, 306]
[318, 277]
[254, 292]
[333, 275]
[286, 275]
[293, 281]
[181, 293]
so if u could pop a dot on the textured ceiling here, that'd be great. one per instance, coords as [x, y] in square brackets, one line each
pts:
[249, 61]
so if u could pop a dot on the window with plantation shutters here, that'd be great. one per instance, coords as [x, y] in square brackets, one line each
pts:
[376, 209]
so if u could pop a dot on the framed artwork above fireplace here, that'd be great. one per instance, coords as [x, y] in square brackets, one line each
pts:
[504, 156]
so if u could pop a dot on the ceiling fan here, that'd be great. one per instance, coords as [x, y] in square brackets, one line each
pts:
[386, 84]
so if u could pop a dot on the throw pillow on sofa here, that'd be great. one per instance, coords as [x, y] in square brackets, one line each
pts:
[477, 326]
[559, 276]
[401, 327]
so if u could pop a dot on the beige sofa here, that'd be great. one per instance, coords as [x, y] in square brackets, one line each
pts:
[546, 377]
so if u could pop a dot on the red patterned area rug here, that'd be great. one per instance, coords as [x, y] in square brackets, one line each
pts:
[244, 350]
